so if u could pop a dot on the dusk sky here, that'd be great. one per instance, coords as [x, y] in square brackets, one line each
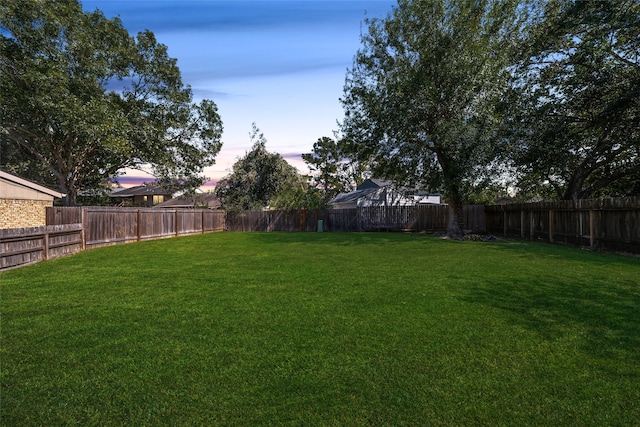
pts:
[280, 64]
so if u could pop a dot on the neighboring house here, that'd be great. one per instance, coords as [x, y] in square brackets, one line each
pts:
[198, 200]
[23, 203]
[371, 192]
[142, 195]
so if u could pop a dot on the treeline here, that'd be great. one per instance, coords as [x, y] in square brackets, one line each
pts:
[473, 99]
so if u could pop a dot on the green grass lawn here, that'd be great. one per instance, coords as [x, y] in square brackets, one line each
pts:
[322, 329]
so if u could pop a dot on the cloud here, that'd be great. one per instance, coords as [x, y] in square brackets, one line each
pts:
[132, 181]
[244, 39]
[208, 93]
[179, 16]
[270, 68]
[292, 156]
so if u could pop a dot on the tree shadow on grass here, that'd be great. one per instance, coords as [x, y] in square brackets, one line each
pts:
[604, 311]
[605, 315]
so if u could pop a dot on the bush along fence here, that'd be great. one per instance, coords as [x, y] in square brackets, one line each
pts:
[607, 224]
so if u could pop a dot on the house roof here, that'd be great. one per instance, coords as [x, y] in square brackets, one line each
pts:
[197, 200]
[374, 193]
[16, 180]
[353, 196]
[373, 183]
[141, 190]
[367, 187]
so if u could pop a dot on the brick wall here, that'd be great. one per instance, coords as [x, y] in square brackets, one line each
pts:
[23, 213]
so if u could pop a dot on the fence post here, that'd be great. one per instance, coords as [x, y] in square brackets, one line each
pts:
[531, 225]
[592, 229]
[484, 218]
[176, 221]
[522, 224]
[83, 233]
[504, 222]
[138, 228]
[45, 241]
[551, 226]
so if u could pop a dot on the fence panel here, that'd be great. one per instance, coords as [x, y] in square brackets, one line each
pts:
[239, 221]
[473, 218]
[23, 246]
[611, 224]
[157, 223]
[431, 217]
[109, 226]
[616, 225]
[213, 220]
[63, 215]
[338, 220]
[410, 218]
[389, 218]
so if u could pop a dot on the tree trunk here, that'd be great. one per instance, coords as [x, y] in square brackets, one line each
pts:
[70, 199]
[452, 193]
[71, 193]
[574, 189]
[454, 219]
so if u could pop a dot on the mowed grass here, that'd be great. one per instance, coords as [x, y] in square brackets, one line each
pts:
[323, 329]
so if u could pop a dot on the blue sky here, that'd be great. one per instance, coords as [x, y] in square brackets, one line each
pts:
[280, 64]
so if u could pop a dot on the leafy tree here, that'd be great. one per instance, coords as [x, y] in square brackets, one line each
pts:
[299, 195]
[83, 99]
[574, 108]
[419, 98]
[17, 160]
[330, 166]
[258, 178]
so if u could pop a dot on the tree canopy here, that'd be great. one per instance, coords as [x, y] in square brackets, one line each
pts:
[573, 113]
[82, 99]
[330, 167]
[419, 99]
[259, 178]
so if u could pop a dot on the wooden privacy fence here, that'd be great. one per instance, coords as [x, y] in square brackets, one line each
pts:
[408, 218]
[106, 226]
[22, 246]
[72, 230]
[609, 224]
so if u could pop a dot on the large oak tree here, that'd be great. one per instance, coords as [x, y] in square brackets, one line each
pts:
[83, 99]
[419, 98]
[573, 115]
